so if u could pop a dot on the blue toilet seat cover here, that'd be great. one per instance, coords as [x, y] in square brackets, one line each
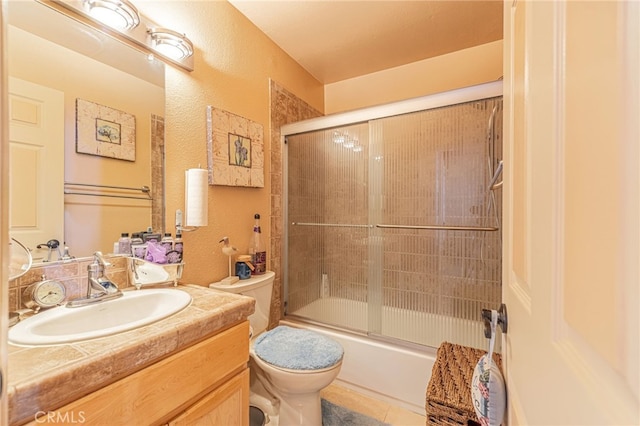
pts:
[297, 349]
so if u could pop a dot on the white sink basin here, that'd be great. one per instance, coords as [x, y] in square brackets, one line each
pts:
[64, 325]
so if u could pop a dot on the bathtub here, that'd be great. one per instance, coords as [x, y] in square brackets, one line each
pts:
[395, 374]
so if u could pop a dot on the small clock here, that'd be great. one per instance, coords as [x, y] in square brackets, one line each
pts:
[44, 294]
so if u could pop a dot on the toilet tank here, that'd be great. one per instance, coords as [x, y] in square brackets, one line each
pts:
[259, 287]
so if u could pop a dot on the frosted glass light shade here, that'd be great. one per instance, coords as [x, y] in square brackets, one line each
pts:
[119, 14]
[170, 43]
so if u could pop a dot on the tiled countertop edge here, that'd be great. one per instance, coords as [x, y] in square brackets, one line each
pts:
[50, 377]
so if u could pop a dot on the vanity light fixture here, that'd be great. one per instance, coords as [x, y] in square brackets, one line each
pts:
[130, 27]
[120, 14]
[170, 43]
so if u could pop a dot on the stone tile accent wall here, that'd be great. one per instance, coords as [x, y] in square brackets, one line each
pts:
[157, 172]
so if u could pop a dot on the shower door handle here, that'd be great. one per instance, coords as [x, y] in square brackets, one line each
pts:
[502, 320]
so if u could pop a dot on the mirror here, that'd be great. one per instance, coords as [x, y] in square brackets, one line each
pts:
[19, 259]
[86, 134]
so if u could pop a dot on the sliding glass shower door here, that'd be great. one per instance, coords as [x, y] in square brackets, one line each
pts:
[327, 208]
[392, 229]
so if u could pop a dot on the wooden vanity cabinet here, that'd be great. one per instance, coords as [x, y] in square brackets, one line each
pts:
[226, 405]
[207, 383]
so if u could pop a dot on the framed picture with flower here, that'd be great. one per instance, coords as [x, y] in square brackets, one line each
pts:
[105, 131]
[235, 149]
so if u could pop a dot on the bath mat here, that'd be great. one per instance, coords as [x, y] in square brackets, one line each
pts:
[335, 415]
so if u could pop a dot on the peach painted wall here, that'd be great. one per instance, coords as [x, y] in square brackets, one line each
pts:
[468, 67]
[233, 64]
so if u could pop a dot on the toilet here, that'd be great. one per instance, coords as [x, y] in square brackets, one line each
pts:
[289, 366]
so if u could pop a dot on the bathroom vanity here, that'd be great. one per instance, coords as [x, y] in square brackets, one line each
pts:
[185, 368]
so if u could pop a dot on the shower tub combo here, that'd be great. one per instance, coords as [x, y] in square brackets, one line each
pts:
[392, 236]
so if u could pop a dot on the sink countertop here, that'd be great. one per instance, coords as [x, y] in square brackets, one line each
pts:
[44, 378]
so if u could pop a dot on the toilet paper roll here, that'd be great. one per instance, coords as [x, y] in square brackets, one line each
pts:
[196, 202]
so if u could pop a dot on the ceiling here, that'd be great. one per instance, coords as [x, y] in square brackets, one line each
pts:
[336, 40]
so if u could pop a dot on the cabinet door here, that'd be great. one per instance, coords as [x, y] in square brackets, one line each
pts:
[156, 393]
[227, 405]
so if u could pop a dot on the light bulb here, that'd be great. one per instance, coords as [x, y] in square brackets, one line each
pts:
[120, 14]
[170, 43]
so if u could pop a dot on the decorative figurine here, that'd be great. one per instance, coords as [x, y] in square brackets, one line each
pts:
[229, 250]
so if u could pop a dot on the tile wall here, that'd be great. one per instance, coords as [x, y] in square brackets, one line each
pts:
[157, 172]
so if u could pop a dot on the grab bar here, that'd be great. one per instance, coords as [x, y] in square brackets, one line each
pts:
[428, 227]
[337, 225]
[144, 189]
[440, 227]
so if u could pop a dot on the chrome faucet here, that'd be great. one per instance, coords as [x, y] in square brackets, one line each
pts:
[99, 287]
[97, 280]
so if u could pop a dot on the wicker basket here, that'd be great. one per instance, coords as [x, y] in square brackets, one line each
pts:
[449, 390]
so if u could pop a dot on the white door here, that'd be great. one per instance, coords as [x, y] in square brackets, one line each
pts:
[36, 170]
[572, 212]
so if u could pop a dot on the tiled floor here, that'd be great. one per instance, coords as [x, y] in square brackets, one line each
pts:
[371, 407]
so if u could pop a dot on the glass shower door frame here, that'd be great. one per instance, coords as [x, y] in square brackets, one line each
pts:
[376, 154]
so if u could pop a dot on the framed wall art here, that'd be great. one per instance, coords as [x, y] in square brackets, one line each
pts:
[235, 149]
[104, 131]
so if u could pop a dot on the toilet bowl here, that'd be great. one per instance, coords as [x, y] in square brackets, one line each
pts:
[289, 366]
